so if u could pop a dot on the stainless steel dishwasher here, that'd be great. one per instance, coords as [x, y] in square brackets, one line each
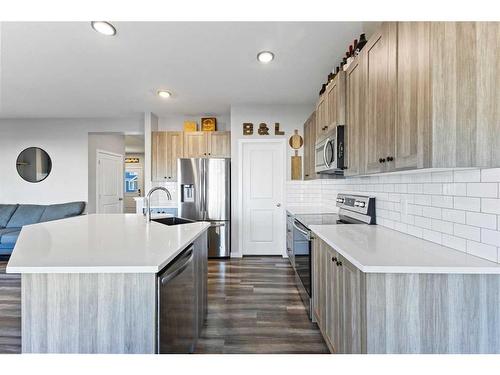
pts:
[177, 314]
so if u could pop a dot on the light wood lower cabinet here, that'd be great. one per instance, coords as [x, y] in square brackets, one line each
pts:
[336, 299]
[361, 312]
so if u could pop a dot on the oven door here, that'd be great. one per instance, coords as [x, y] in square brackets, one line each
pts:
[302, 255]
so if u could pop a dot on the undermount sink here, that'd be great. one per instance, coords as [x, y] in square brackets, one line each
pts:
[173, 220]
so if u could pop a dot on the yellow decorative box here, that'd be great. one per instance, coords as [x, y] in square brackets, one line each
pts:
[190, 126]
[208, 124]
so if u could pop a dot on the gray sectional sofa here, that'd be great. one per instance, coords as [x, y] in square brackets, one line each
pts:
[14, 216]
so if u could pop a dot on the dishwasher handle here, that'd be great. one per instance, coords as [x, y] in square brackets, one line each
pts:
[305, 233]
[186, 259]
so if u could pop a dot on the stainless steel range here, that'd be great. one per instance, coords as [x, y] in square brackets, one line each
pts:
[353, 209]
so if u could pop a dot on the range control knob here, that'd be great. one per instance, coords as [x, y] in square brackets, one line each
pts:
[340, 200]
[362, 204]
[356, 204]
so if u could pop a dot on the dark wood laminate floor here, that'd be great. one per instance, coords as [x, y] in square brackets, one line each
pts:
[10, 311]
[254, 307]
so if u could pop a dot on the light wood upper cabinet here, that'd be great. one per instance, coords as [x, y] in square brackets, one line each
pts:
[331, 109]
[465, 94]
[195, 145]
[336, 101]
[166, 148]
[321, 119]
[219, 144]
[412, 128]
[432, 96]
[353, 134]
[379, 64]
[207, 144]
[175, 150]
[309, 147]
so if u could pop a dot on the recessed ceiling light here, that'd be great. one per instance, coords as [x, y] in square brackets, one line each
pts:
[103, 27]
[265, 57]
[164, 94]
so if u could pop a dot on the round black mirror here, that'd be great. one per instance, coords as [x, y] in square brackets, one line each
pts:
[33, 164]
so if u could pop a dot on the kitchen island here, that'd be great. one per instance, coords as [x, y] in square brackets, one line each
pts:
[90, 283]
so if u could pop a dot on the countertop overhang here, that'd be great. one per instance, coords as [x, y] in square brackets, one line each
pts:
[100, 243]
[376, 249]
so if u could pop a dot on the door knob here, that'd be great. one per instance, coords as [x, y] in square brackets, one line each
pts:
[278, 204]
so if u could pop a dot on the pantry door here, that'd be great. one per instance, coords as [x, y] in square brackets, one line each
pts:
[262, 230]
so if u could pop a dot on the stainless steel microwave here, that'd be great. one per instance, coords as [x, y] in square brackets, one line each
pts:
[330, 152]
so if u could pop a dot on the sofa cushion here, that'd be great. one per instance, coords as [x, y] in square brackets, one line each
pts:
[10, 238]
[6, 249]
[63, 210]
[26, 214]
[6, 211]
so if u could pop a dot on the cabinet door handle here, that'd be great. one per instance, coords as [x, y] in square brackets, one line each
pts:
[339, 263]
[390, 158]
[334, 259]
[381, 160]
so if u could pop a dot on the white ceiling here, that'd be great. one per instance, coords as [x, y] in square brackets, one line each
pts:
[65, 69]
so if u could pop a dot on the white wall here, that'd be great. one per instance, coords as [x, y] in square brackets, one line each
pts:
[290, 117]
[176, 122]
[66, 141]
[459, 209]
[106, 142]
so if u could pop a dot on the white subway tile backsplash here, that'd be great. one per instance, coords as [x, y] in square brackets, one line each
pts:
[424, 200]
[482, 250]
[433, 212]
[455, 216]
[468, 175]
[442, 226]
[490, 237]
[467, 204]
[481, 220]
[442, 176]
[455, 189]
[423, 222]
[482, 190]
[490, 175]
[467, 231]
[490, 206]
[459, 209]
[433, 189]
[442, 201]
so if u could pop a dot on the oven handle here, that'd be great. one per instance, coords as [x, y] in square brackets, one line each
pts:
[307, 234]
[324, 152]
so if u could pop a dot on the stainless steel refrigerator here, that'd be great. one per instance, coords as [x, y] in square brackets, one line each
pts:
[204, 187]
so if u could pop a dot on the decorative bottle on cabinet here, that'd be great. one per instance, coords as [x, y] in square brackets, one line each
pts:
[361, 44]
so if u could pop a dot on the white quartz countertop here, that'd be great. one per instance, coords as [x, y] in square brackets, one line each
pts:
[106, 243]
[376, 249]
[306, 210]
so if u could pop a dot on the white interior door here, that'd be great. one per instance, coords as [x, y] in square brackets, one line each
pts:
[109, 188]
[134, 187]
[263, 180]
